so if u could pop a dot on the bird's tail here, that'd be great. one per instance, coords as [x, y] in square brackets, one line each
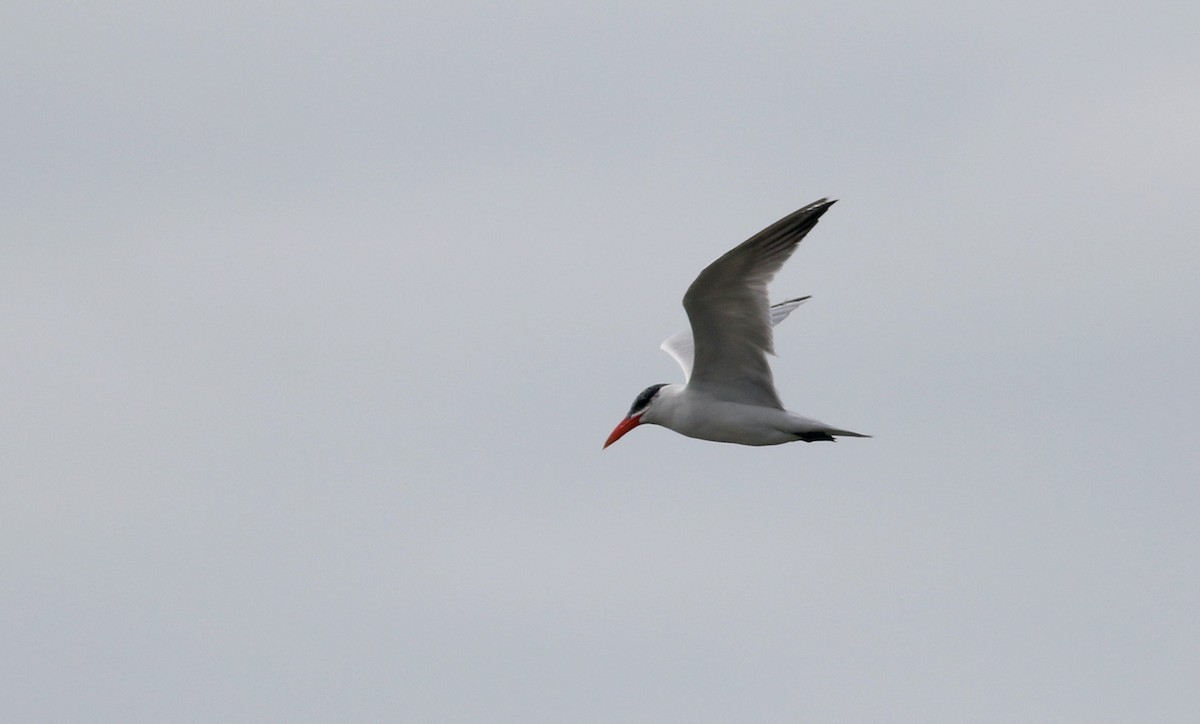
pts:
[829, 434]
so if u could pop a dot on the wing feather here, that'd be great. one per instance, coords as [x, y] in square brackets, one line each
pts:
[730, 316]
[682, 348]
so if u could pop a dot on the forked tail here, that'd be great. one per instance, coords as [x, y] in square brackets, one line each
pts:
[829, 434]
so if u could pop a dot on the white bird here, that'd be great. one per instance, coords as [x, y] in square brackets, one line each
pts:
[729, 395]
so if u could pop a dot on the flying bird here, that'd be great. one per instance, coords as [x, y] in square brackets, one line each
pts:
[729, 395]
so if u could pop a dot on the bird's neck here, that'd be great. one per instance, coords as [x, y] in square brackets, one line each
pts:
[667, 406]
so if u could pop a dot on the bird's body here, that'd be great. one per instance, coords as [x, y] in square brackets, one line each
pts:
[730, 394]
[697, 415]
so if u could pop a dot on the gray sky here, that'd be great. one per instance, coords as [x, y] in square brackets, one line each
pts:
[315, 318]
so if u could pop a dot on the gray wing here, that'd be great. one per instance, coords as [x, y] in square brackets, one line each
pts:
[728, 310]
[681, 347]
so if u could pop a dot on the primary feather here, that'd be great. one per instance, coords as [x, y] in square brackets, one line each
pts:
[729, 312]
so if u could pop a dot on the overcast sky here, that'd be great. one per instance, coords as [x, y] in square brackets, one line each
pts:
[315, 317]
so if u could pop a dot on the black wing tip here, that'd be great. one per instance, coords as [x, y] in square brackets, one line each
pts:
[796, 225]
[820, 206]
[806, 216]
[804, 298]
[815, 436]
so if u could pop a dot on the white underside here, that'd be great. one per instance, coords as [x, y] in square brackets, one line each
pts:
[700, 416]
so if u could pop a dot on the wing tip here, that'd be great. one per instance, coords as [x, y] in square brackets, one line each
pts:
[822, 205]
[797, 300]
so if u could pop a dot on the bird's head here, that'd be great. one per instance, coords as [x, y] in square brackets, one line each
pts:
[644, 403]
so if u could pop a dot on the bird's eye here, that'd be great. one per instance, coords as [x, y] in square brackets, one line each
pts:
[644, 398]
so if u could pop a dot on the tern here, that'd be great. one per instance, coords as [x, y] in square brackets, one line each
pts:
[729, 394]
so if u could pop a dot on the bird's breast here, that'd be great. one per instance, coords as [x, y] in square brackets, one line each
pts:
[709, 419]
